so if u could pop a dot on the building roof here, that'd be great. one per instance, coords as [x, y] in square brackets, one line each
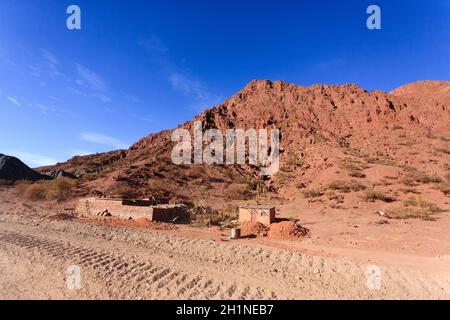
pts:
[261, 207]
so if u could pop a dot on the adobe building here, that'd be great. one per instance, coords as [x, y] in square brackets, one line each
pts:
[132, 209]
[264, 214]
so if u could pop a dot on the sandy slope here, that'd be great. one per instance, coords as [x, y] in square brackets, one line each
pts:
[121, 263]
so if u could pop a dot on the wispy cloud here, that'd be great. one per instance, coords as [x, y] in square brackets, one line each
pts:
[77, 152]
[93, 82]
[50, 57]
[180, 80]
[90, 79]
[14, 101]
[51, 64]
[103, 140]
[47, 109]
[32, 159]
[193, 88]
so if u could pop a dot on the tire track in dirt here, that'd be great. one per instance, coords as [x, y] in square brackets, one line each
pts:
[156, 265]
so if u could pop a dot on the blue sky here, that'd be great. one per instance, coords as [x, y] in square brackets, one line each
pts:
[138, 67]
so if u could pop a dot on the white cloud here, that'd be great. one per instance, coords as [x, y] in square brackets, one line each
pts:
[103, 140]
[50, 57]
[46, 109]
[193, 88]
[31, 159]
[14, 101]
[76, 152]
[90, 79]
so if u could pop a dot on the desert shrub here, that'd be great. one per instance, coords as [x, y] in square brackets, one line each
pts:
[373, 195]
[58, 189]
[5, 183]
[334, 196]
[445, 188]
[346, 186]
[312, 193]
[237, 191]
[35, 192]
[445, 139]
[443, 150]
[415, 208]
[415, 176]
[357, 174]
[300, 185]
[205, 216]
[158, 188]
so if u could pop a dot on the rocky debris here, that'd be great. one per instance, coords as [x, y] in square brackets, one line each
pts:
[59, 174]
[12, 169]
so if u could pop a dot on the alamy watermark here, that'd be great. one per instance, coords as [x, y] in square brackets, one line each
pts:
[73, 279]
[73, 22]
[374, 20]
[212, 147]
[373, 277]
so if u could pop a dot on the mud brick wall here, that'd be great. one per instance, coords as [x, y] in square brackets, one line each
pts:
[96, 207]
[264, 216]
[170, 213]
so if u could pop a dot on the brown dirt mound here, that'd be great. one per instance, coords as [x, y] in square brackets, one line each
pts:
[287, 230]
[253, 229]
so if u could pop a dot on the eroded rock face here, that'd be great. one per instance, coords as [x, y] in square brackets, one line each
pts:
[321, 126]
[12, 169]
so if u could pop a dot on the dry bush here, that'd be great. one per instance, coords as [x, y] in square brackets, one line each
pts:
[206, 217]
[415, 208]
[238, 191]
[58, 189]
[5, 183]
[415, 176]
[445, 188]
[447, 177]
[346, 186]
[373, 195]
[357, 174]
[158, 189]
[312, 193]
[443, 150]
[334, 196]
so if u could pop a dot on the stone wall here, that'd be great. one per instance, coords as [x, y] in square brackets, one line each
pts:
[125, 209]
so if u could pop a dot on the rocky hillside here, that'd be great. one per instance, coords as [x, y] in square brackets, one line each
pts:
[328, 134]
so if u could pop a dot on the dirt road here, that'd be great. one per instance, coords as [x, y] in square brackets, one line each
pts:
[121, 263]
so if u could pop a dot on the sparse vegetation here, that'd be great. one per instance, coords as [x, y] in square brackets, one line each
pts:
[58, 189]
[339, 198]
[415, 176]
[357, 174]
[373, 195]
[5, 183]
[238, 191]
[415, 208]
[206, 216]
[444, 188]
[346, 186]
[443, 150]
[312, 193]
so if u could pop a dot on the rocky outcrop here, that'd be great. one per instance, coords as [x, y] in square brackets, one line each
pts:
[12, 169]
